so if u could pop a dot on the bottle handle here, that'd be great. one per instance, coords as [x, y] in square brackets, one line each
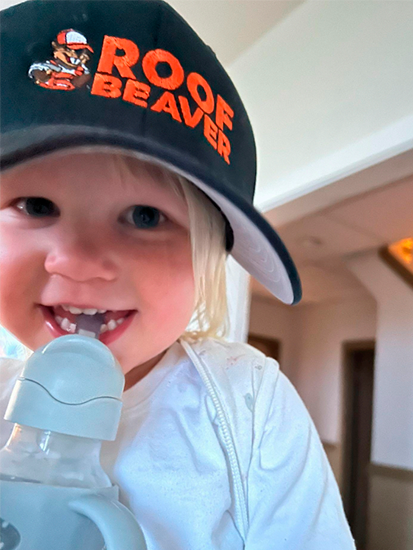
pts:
[117, 524]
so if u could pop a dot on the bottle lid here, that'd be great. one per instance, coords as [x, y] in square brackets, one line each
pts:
[72, 385]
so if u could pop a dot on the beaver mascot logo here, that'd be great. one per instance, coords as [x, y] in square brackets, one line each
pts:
[68, 70]
[124, 73]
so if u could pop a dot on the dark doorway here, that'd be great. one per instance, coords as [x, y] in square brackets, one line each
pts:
[269, 346]
[359, 379]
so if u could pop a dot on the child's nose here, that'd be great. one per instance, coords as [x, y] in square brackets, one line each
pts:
[81, 258]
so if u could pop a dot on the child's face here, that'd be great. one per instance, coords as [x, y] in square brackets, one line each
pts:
[89, 244]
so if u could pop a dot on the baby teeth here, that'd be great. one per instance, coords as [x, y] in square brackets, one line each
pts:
[65, 324]
[112, 324]
[77, 311]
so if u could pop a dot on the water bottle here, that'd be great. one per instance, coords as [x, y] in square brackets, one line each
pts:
[54, 493]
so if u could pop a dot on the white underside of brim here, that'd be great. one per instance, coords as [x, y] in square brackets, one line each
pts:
[251, 248]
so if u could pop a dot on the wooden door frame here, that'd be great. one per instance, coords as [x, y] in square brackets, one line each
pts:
[269, 341]
[347, 348]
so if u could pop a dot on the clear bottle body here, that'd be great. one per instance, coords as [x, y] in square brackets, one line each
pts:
[51, 458]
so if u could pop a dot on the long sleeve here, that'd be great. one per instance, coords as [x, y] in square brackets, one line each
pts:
[293, 498]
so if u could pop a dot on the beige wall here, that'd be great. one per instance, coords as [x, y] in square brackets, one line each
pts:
[318, 360]
[272, 319]
[335, 457]
[311, 356]
[393, 378]
[391, 509]
[311, 339]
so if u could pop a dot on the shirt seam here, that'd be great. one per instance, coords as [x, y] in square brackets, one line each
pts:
[228, 437]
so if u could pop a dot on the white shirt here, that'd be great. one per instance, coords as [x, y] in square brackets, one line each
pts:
[185, 481]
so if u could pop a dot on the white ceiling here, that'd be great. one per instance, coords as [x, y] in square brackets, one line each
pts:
[230, 27]
[328, 92]
[320, 243]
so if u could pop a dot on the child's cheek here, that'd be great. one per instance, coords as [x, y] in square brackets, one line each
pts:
[167, 273]
[20, 283]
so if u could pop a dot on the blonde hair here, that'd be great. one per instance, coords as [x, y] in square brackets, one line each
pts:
[207, 232]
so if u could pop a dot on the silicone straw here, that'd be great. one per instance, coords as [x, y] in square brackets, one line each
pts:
[89, 325]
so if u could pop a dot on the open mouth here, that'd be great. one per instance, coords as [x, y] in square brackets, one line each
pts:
[62, 321]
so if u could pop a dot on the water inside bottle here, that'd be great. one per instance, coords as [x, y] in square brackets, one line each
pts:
[51, 458]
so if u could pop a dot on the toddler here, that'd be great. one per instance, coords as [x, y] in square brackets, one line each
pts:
[128, 175]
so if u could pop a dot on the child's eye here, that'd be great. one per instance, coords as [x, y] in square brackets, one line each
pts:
[145, 217]
[142, 217]
[36, 207]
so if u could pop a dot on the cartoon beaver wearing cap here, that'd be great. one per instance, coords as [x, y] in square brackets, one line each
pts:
[67, 71]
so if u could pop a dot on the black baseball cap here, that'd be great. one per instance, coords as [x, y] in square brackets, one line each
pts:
[132, 75]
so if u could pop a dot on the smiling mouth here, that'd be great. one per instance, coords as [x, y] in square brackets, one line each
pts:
[66, 320]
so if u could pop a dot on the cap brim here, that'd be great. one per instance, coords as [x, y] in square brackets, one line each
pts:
[257, 246]
[80, 47]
